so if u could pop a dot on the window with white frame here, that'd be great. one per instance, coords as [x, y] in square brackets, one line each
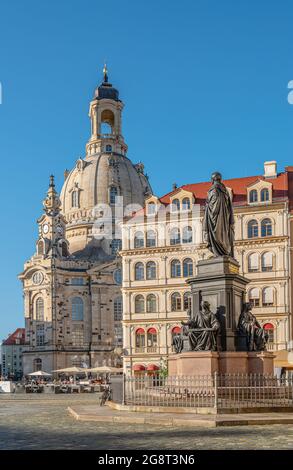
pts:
[187, 267]
[139, 304]
[186, 204]
[175, 238]
[254, 297]
[151, 207]
[253, 262]
[187, 235]
[268, 297]
[139, 271]
[40, 334]
[150, 238]
[151, 303]
[176, 302]
[139, 240]
[151, 271]
[252, 229]
[267, 261]
[40, 309]
[266, 228]
[175, 268]
[264, 195]
[253, 196]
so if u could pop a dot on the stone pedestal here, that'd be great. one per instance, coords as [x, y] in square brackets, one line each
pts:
[193, 363]
[196, 363]
[218, 281]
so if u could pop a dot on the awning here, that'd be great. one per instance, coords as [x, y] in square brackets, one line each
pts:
[152, 331]
[268, 326]
[153, 367]
[176, 330]
[138, 367]
[140, 331]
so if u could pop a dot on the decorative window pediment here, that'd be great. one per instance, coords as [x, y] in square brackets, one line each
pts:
[259, 192]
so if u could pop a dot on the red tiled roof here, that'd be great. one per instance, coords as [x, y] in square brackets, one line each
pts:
[238, 185]
[19, 334]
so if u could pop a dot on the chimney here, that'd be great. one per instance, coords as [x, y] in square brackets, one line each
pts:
[270, 169]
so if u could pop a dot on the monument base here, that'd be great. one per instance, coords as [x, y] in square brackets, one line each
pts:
[194, 363]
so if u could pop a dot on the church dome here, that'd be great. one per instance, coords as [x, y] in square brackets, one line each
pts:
[97, 180]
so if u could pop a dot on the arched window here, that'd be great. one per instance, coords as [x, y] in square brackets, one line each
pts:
[267, 261]
[252, 229]
[151, 271]
[186, 204]
[139, 340]
[139, 304]
[187, 235]
[40, 309]
[266, 228]
[254, 297]
[176, 302]
[118, 309]
[151, 208]
[175, 205]
[187, 301]
[253, 195]
[139, 240]
[268, 297]
[41, 247]
[187, 267]
[151, 238]
[77, 309]
[108, 148]
[139, 272]
[175, 236]
[264, 195]
[37, 364]
[74, 199]
[152, 340]
[253, 262]
[175, 268]
[269, 329]
[151, 303]
[113, 194]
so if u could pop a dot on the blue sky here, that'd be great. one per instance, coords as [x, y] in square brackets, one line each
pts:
[204, 84]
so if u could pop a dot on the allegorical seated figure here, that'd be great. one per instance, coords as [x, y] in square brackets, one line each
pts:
[201, 330]
[248, 326]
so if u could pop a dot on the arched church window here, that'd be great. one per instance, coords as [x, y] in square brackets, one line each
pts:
[37, 364]
[74, 199]
[113, 194]
[77, 309]
[40, 309]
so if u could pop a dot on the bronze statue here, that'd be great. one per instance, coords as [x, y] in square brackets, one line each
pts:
[248, 326]
[201, 331]
[218, 226]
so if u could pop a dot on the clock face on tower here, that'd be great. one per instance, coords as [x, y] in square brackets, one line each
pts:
[45, 228]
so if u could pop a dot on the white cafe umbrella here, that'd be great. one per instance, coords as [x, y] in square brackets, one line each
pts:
[105, 370]
[40, 373]
[70, 370]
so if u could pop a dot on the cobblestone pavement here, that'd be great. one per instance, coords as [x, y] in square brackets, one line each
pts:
[43, 423]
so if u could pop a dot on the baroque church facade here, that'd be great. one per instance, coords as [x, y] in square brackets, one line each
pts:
[72, 283]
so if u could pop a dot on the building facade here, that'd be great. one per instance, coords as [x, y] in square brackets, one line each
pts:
[11, 355]
[163, 243]
[72, 283]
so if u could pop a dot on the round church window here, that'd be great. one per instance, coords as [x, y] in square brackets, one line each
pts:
[118, 276]
[38, 277]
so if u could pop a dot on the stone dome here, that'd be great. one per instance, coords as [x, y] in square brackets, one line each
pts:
[90, 183]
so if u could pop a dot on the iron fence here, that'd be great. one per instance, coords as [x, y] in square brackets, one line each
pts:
[218, 391]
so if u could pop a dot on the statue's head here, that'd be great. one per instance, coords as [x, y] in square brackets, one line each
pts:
[247, 306]
[205, 305]
[216, 177]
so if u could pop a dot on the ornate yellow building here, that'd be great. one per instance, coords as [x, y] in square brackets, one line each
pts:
[72, 284]
[163, 243]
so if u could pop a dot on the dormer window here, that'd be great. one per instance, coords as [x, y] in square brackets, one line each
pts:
[175, 205]
[151, 208]
[253, 195]
[186, 204]
[108, 148]
[264, 195]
